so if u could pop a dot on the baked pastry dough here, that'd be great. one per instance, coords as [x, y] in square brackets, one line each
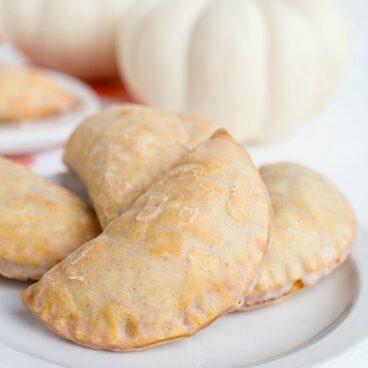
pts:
[185, 253]
[312, 232]
[120, 151]
[40, 222]
[28, 94]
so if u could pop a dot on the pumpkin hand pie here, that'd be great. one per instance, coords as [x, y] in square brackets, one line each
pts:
[120, 151]
[40, 222]
[27, 94]
[184, 254]
[312, 232]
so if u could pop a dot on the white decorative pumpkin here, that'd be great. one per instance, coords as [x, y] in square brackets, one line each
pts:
[257, 67]
[1, 27]
[1, 21]
[74, 36]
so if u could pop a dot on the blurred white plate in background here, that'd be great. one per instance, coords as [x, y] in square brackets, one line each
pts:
[36, 135]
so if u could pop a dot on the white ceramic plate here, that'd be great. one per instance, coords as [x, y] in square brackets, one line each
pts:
[30, 136]
[315, 328]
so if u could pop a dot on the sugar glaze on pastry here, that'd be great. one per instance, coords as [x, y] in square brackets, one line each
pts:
[183, 255]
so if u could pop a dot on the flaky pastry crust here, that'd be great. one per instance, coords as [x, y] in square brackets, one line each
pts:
[40, 222]
[313, 229]
[120, 151]
[184, 254]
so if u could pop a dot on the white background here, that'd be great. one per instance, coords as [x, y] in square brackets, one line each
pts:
[336, 141]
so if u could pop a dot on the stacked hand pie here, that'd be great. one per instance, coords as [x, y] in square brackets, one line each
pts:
[192, 230]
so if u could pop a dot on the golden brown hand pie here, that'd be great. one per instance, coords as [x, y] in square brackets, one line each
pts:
[120, 151]
[40, 222]
[28, 94]
[185, 253]
[312, 232]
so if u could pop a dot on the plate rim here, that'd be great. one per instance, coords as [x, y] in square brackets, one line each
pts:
[359, 254]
